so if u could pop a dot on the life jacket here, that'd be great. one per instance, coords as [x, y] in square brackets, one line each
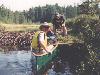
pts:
[35, 40]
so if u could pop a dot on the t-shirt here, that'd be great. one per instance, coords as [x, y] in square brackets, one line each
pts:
[41, 37]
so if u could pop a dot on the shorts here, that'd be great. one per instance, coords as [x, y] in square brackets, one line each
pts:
[57, 26]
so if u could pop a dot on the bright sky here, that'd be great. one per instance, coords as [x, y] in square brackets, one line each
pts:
[26, 4]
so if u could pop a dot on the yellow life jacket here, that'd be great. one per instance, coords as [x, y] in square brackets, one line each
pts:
[35, 40]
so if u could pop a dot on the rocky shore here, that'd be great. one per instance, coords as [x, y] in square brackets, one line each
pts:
[15, 40]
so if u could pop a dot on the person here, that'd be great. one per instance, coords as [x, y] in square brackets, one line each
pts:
[59, 23]
[56, 22]
[39, 41]
[52, 38]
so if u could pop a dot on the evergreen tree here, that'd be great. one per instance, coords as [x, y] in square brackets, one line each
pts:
[36, 14]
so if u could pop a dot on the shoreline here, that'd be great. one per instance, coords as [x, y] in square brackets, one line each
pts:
[15, 40]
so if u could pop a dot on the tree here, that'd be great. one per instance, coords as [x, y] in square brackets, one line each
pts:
[89, 7]
[16, 17]
[21, 18]
[36, 14]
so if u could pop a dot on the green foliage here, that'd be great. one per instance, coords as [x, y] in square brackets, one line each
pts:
[89, 7]
[36, 14]
[71, 12]
[87, 29]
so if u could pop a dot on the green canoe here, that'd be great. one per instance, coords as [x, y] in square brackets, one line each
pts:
[42, 61]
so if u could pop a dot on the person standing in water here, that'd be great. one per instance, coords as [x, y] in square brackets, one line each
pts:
[39, 41]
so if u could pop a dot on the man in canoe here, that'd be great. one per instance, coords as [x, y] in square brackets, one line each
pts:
[39, 41]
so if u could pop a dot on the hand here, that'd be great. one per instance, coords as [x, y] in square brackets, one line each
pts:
[48, 52]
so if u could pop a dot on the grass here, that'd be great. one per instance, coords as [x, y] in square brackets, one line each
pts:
[69, 39]
[19, 27]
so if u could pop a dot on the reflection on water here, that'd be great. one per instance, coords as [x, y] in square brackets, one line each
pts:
[19, 63]
[67, 63]
[15, 63]
[59, 68]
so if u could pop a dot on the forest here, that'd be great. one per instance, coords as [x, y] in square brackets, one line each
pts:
[46, 13]
[37, 14]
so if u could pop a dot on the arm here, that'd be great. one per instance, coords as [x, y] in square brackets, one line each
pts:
[44, 47]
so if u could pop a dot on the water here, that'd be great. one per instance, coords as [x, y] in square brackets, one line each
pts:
[68, 62]
[59, 68]
[15, 63]
[19, 63]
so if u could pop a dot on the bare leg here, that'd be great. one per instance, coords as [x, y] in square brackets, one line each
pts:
[64, 30]
[54, 29]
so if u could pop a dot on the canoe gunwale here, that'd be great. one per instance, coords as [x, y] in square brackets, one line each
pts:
[45, 53]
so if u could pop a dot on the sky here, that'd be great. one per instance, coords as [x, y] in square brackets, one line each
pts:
[21, 5]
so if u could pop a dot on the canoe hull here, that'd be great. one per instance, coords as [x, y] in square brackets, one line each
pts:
[42, 62]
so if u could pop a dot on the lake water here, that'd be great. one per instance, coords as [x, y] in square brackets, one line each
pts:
[71, 61]
[19, 63]
[15, 63]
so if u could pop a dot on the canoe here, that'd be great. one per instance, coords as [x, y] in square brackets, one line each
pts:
[41, 61]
